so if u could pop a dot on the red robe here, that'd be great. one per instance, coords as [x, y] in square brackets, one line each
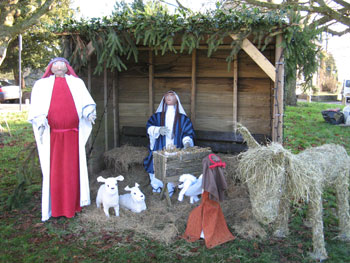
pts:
[64, 156]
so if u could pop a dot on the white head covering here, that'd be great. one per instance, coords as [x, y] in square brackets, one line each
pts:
[181, 109]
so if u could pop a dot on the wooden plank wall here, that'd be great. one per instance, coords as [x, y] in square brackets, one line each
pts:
[214, 90]
[214, 93]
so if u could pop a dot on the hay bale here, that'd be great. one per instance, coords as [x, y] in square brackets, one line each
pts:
[124, 157]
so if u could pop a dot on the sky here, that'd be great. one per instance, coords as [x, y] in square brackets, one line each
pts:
[93, 8]
[339, 47]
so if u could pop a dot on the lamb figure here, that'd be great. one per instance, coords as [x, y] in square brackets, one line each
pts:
[190, 186]
[108, 194]
[134, 201]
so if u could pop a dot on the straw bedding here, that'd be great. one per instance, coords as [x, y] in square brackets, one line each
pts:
[160, 222]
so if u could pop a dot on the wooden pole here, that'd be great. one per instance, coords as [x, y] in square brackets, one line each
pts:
[150, 83]
[115, 109]
[105, 99]
[235, 92]
[193, 87]
[90, 137]
[277, 127]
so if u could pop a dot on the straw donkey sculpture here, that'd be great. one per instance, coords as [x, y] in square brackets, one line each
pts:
[275, 176]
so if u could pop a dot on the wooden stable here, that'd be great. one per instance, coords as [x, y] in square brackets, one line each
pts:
[214, 97]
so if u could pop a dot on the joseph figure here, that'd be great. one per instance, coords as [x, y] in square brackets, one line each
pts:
[62, 113]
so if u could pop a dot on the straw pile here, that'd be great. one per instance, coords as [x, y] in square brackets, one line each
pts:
[159, 221]
[123, 158]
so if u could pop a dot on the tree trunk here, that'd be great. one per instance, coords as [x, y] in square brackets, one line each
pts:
[290, 88]
[16, 75]
[4, 43]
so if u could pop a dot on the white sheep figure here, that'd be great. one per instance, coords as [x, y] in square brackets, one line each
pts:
[108, 194]
[134, 201]
[191, 186]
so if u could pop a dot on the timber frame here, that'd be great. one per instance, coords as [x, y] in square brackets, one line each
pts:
[275, 73]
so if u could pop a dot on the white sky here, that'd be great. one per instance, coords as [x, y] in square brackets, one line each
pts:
[96, 8]
[339, 47]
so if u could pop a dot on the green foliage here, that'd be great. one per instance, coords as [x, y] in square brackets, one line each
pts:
[13, 158]
[28, 175]
[115, 38]
[301, 51]
[39, 45]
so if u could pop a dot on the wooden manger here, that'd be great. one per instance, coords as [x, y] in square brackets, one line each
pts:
[169, 165]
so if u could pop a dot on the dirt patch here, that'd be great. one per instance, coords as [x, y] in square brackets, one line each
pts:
[159, 221]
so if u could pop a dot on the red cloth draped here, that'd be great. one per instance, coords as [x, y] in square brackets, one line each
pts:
[64, 151]
[208, 217]
[48, 72]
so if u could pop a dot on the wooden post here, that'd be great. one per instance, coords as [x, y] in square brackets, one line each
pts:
[89, 76]
[193, 87]
[277, 118]
[235, 93]
[150, 82]
[90, 137]
[115, 109]
[105, 99]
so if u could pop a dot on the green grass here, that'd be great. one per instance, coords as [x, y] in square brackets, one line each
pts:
[24, 238]
[305, 127]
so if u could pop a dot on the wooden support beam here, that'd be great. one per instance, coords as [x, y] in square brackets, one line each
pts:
[201, 47]
[235, 92]
[105, 100]
[277, 121]
[90, 49]
[258, 58]
[89, 73]
[115, 109]
[150, 83]
[193, 86]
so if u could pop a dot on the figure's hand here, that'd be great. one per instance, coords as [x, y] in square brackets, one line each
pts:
[92, 118]
[164, 131]
[41, 132]
[187, 145]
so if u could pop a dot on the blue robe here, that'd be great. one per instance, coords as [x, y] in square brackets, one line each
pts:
[186, 130]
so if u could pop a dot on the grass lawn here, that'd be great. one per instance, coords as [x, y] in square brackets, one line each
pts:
[24, 238]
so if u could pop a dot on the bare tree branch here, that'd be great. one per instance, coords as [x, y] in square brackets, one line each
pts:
[331, 11]
[9, 27]
[33, 19]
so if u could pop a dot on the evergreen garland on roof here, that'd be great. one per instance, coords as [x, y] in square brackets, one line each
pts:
[117, 37]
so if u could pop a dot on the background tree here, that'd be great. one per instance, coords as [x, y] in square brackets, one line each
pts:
[328, 76]
[18, 16]
[39, 44]
[320, 15]
[325, 14]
